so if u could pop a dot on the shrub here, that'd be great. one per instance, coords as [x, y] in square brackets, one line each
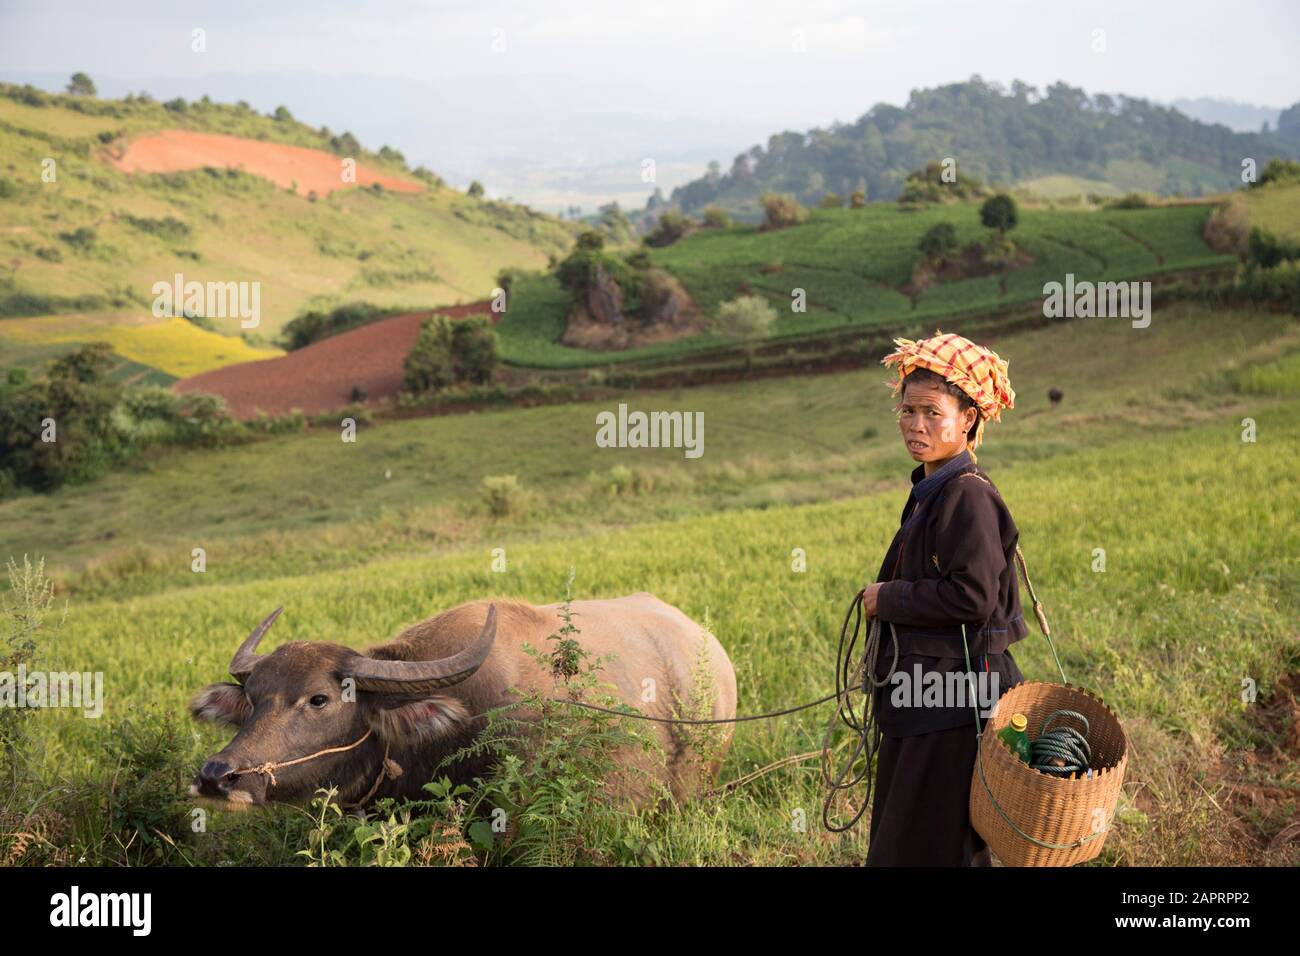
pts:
[671, 227]
[1279, 171]
[8, 188]
[474, 349]
[167, 227]
[832, 201]
[475, 190]
[999, 212]
[621, 480]
[782, 210]
[429, 364]
[81, 238]
[1227, 228]
[1130, 201]
[939, 240]
[715, 217]
[314, 326]
[503, 495]
[1266, 250]
[747, 318]
[858, 199]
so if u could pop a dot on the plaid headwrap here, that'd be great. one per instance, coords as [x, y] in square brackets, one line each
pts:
[977, 371]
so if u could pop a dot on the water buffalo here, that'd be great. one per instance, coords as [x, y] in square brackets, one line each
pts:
[303, 724]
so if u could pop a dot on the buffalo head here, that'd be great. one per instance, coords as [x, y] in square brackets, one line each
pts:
[316, 714]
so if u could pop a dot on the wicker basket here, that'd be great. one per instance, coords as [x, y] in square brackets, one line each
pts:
[1071, 816]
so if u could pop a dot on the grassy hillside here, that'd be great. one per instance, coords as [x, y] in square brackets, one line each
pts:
[358, 539]
[852, 264]
[1002, 136]
[94, 241]
[1275, 209]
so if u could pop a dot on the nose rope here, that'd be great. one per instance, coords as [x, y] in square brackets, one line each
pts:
[270, 767]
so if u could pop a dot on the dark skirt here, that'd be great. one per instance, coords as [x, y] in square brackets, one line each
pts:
[920, 811]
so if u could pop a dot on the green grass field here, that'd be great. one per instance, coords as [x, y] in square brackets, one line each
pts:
[1144, 459]
[851, 264]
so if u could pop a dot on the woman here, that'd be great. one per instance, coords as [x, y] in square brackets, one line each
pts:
[951, 563]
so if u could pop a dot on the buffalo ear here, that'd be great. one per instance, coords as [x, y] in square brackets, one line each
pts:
[221, 704]
[402, 720]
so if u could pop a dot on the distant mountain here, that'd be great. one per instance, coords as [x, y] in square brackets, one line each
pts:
[1239, 117]
[1004, 137]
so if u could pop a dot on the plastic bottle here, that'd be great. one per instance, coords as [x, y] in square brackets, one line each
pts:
[1014, 736]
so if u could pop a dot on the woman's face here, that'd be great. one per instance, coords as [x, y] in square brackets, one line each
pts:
[933, 427]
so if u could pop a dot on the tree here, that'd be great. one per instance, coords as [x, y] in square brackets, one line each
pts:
[429, 364]
[475, 190]
[672, 226]
[938, 241]
[474, 350]
[746, 319]
[282, 114]
[81, 85]
[781, 210]
[616, 224]
[999, 212]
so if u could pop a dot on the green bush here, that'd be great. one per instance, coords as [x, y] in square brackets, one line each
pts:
[672, 226]
[1130, 201]
[715, 217]
[1266, 250]
[81, 238]
[503, 495]
[474, 349]
[999, 212]
[429, 365]
[781, 210]
[314, 326]
[746, 318]
[939, 240]
[1279, 171]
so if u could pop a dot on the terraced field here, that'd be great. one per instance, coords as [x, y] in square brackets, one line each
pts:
[852, 265]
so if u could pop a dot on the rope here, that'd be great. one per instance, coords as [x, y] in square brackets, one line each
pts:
[270, 767]
[1062, 743]
[389, 769]
[637, 715]
[868, 732]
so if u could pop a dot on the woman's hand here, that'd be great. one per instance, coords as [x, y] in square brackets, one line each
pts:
[869, 599]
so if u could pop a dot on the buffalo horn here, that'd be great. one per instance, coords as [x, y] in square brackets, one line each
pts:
[419, 677]
[242, 664]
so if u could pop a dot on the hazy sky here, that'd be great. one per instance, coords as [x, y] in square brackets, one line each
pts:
[558, 102]
[693, 56]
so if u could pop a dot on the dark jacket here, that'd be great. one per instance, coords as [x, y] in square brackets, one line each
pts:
[951, 562]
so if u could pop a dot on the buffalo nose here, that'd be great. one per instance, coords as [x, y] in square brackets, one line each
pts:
[214, 774]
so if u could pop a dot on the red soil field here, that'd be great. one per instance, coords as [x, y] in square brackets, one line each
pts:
[312, 169]
[321, 376]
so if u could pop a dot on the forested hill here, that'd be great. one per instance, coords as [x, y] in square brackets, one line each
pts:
[1006, 137]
